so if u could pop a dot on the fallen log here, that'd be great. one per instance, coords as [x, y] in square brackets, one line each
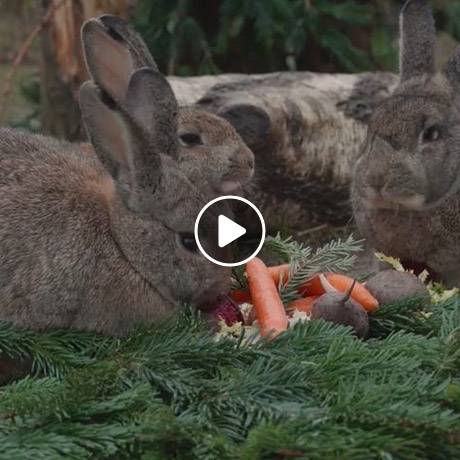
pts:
[305, 130]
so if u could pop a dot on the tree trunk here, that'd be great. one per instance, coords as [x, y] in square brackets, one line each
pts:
[305, 130]
[63, 69]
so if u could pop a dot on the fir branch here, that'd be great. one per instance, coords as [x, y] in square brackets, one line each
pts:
[53, 352]
[239, 280]
[287, 248]
[172, 391]
[336, 256]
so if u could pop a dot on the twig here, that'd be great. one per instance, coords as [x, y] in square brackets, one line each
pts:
[312, 230]
[22, 53]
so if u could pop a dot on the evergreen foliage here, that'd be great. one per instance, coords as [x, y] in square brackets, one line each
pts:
[173, 391]
[190, 37]
[336, 256]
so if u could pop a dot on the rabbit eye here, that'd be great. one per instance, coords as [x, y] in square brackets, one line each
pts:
[187, 240]
[190, 139]
[432, 134]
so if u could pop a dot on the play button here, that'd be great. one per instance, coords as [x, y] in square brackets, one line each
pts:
[228, 231]
[221, 231]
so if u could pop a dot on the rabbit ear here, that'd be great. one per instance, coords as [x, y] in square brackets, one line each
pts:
[452, 69]
[123, 148]
[121, 31]
[108, 61]
[113, 51]
[417, 39]
[151, 102]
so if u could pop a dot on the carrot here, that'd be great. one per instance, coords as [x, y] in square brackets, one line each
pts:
[333, 282]
[270, 311]
[328, 282]
[313, 286]
[305, 304]
[240, 296]
[279, 273]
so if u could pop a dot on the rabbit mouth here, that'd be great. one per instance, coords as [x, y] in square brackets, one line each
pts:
[409, 202]
[211, 294]
[235, 182]
[230, 186]
[414, 202]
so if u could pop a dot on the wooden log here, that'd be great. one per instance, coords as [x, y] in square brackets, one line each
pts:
[305, 130]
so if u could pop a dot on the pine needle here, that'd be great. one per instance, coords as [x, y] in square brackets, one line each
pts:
[172, 391]
[336, 256]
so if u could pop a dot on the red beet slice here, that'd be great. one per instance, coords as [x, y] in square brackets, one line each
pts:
[224, 308]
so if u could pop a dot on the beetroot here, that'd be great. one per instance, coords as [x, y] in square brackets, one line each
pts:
[340, 309]
[224, 308]
[391, 286]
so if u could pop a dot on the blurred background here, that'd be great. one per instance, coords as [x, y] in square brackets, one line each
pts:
[41, 67]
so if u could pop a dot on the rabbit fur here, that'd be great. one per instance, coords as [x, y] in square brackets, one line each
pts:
[210, 150]
[102, 243]
[406, 182]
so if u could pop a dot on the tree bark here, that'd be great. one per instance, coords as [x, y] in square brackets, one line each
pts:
[305, 130]
[63, 69]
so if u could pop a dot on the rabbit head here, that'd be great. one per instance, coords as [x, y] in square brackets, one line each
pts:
[210, 150]
[153, 205]
[411, 157]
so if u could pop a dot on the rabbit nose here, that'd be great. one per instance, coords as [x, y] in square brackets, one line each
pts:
[245, 160]
[376, 181]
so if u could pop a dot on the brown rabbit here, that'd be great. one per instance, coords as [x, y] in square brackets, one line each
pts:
[406, 186]
[102, 245]
[210, 149]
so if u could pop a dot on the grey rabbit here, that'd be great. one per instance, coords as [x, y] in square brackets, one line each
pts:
[210, 149]
[406, 181]
[102, 243]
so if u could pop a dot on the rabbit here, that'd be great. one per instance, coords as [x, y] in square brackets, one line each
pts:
[210, 150]
[103, 242]
[405, 189]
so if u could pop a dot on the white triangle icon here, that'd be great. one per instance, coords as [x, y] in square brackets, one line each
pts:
[228, 231]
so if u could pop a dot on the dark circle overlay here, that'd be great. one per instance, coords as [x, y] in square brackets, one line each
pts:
[239, 251]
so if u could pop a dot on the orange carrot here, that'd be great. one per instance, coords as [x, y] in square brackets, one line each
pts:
[270, 311]
[305, 304]
[311, 287]
[330, 282]
[279, 273]
[240, 296]
[318, 285]
[314, 286]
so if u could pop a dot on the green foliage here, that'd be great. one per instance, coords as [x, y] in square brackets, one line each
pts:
[336, 256]
[452, 18]
[172, 391]
[29, 91]
[189, 36]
